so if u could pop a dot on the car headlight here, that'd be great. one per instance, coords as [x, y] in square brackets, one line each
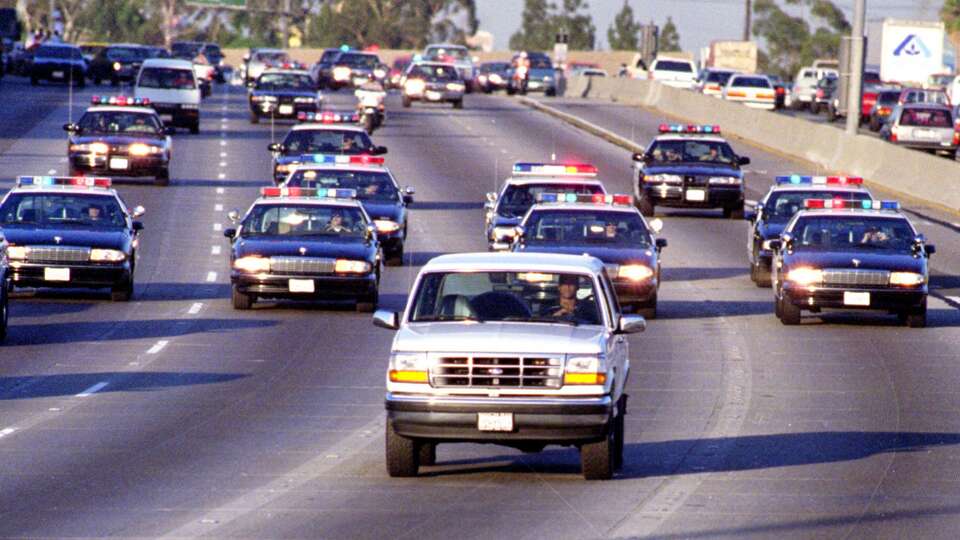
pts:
[496, 78]
[379, 73]
[724, 180]
[304, 100]
[17, 253]
[414, 86]
[386, 225]
[906, 279]
[585, 369]
[455, 87]
[341, 73]
[547, 78]
[284, 168]
[141, 149]
[664, 178]
[408, 367]
[766, 244]
[253, 264]
[504, 232]
[348, 266]
[107, 255]
[805, 276]
[117, 66]
[635, 272]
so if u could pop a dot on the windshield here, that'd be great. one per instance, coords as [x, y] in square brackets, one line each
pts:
[70, 53]
[167, 78]
[781, 206]
[517, 199]
[750, 82]
[434, 72]
[494, 67]
[212, 50]
[700, 151]
[359, 60]
[926, 96]
[453, 53]
[326, 142]
[284, 81]
[62, 209]
[564, 227]
[506, 296]
[125, 54]
[842, 233]
[120, 122]
[304, 220]
[673, 65]
[938, 118]
[540, 62]
[370, 186]
[719, 77]
[888, 98]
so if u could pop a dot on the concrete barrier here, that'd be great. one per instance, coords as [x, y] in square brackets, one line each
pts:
[914, 174]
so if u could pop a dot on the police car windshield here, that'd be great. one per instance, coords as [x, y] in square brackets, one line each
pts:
[674, 65]
[358, 60]
[166, 78]
[285, 81]
[125, 54]
[60, 53]
[565, 227]
[535, 297]
[370, 186]
[120, 122]
[289, 219]
[440, 52]
[305, 141]
[434, 72]
[62, 210]
[853, 232]
[517, 199]
[692, 150]
[781, 206]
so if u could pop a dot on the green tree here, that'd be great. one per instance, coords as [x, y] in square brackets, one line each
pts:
[574, 18]
[669, 37]
[623, 34]
[792, 42]
[536, 27]
[950, 15]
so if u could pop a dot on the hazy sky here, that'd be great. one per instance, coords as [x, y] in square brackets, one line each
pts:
[698, 21]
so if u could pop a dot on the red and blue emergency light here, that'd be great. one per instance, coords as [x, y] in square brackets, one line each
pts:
[796, 179]
[690, 129]
[555, 169]
[846, 204]
[328, 117]
[590, 198]
[63, 181]
[323, 193]
[339, 159]
[121, 101]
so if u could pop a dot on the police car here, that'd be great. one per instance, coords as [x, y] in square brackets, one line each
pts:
[70, 232]
[690, 166]
[322, 133]
[305, 244]
[505, 210]
[377, 190]
[120, 136]
[851, 255]
[283, 94]
[608, 227]
[784, 199]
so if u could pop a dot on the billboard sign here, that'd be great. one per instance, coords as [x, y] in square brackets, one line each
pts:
[911, 51]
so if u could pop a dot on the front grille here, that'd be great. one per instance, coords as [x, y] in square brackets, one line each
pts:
[498, 371]
[301, 265]
[855, 277]
[695, 180]
[57, 254]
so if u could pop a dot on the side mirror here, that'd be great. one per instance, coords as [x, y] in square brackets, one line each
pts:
[229, 233]
[386, 319]
[408, 193]
[631, 324]
[379, 150]
[137, 226]
[656, 225]
[930, 249]
[775, 245]
[743, 160]
[491, 197]
[637, 156]
[169, 130]
[370, 233]
[138, 211]
[233, 215]
[251, 84]
[71, 128]
[275, 147]
[661, 243]
[518, 233]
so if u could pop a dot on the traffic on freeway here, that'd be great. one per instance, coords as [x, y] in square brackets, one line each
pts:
[233, 317]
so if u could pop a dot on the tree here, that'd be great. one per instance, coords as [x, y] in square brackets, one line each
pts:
[669, 37]
[950, 15]
[790, 41]
[536, 28]
[574, 19]
[543, 20]
[623, 34]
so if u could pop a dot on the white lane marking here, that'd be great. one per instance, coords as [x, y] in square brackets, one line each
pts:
[93, 389]
[223, 164]
[502, 151]
[211, 276]
[954, 299]
[195, 308]
[218, 226]
[219, 190]
[956, 225]
[218, 207]
[158, 346]
[223, 143]
[223, 154]
[7, 431]
[52, 171]
[221, 176]
[214, 250]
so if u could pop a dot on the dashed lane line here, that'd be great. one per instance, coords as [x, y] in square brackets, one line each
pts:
[219, 191]
[93, 389]
[218, 227]
[195, 308]
[214, 250]
[218, 207]
[158, 346]
[7, 431]
[211, 276]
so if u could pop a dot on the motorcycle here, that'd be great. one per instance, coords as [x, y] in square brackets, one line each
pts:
[371, 107]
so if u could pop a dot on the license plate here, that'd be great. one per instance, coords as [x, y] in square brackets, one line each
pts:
[696, 195]
[56, 274]
[925, 134]
[856, 298]
[534, 84]
[301, 285]
[434, 96]
[286, 109]
[119, 163]
[57, 74]
[495, 421]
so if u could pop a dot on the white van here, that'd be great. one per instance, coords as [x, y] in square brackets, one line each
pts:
[675, 72]
[171, 86]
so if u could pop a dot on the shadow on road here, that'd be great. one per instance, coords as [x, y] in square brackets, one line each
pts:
[40, 386]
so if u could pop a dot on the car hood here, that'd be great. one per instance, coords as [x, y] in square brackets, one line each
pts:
[111, 238]
[382, 210]
[692, 169]
[868, 260]
[503, 221]
[499, 337]
[607, 254]
[116, 139]
[327, 247]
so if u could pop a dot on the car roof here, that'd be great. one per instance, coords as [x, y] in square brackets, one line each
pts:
[268, 51]
[839, 188]
[573, 207]
[168, 63]
[311, 126]
[115, 108]
[572, 180]
[444, 46]
[688, 137]
[312, 201]
[514, 262]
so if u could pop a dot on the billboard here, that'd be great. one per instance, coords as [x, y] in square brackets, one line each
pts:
[911, 50]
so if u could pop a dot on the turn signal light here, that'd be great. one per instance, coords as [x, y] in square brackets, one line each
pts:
[409, 376]
[584, 378]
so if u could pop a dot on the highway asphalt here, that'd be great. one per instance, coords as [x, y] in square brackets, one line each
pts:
[175, 416]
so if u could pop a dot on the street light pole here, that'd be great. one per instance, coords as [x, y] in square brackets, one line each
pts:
[856, 67]
[746, 20]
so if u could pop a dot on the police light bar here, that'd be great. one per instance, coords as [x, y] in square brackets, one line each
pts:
[796, 179]
[63, 181]
[122, 101]
[324, 193]
[690, 129]
[590, 198]
[846, 204]
[339, 159]
[555, 169]
[329, 117]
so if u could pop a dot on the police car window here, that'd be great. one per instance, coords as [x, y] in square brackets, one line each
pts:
[926, 118]
[119, 122]
[166, 78]
[679, 151]
[537, 297]
[853, 233]
[586, 227]
[359, 60]
[55, 210]
[435, 73]
[278, 81]
[370, 186]
[277, 57]
[782, 206]
[326, 141]
[304, 220]
[517, 199]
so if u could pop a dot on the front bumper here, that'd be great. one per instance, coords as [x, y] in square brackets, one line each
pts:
[88, 276]
[927, 145]
[635, 292]
[282, 110]
[112, 164]
[58, 73]
[542, 419]
[681, 196]
[325, 286]
[436, 96]
[880, 299]
[534, 85]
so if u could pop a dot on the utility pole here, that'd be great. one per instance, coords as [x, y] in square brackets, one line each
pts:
[746, 20]
[285, 25]
[856, 67]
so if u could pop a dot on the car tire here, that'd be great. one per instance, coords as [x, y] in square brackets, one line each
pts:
[240, 300]
[427, 453]
[550, 93]
[123, 292]
[789, 313]
[597, 459]
[162, 178]
[917, 318]
[402, 455]
[735, 212]
[395, 258]
[814, 108]
[195, 128]
[254, 118]
[761, 277]
[368, 304]
[647, 310]
[511, 90]
[407, 102]
[646, 207]
[458, 104]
